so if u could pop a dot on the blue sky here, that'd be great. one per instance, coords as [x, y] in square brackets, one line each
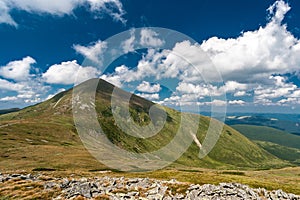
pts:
[254, 45]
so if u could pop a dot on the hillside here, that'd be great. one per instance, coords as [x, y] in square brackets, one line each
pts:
[44, 136]
[268, 134]
[284, 145]
[286, 153]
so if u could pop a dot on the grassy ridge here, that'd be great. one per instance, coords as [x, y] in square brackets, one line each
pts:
[282, 152]
[284, 145]
[268, 134]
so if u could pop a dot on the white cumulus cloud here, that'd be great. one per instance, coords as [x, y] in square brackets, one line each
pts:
[17, 70]
[8, 98]
[18, 79]
[149, 38]
[240, 93]
[279, 89]
[68, 73]
[255, 55]
[128, 45]
[147, 87]
[5, 17]
[150, 97]
[236, 102]
[60, 7]
[93, 52]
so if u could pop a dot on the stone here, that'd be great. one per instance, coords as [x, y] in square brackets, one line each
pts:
[85, 190]
[15, 175]
[65, 183]
[133, 194]
[194, 187]
[50, 185]
[23, 177]
[151, 189]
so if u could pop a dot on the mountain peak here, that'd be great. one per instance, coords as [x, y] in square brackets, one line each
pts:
[52, 121]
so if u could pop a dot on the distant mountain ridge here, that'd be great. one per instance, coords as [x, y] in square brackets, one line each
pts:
[5, 111]
[285, 122]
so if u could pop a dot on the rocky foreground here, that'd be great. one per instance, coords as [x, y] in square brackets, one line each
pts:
[142, 188]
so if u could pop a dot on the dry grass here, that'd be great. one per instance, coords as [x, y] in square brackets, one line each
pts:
[178, 188]
[21, 189]
[102, 197]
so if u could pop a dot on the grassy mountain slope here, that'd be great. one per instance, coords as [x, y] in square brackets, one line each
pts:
[268, 134]
[283, 145]
[282, 152]
[44, 136]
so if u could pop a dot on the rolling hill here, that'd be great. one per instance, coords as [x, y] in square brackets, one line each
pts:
[44, 136]
[269, 134]
[279, 143]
